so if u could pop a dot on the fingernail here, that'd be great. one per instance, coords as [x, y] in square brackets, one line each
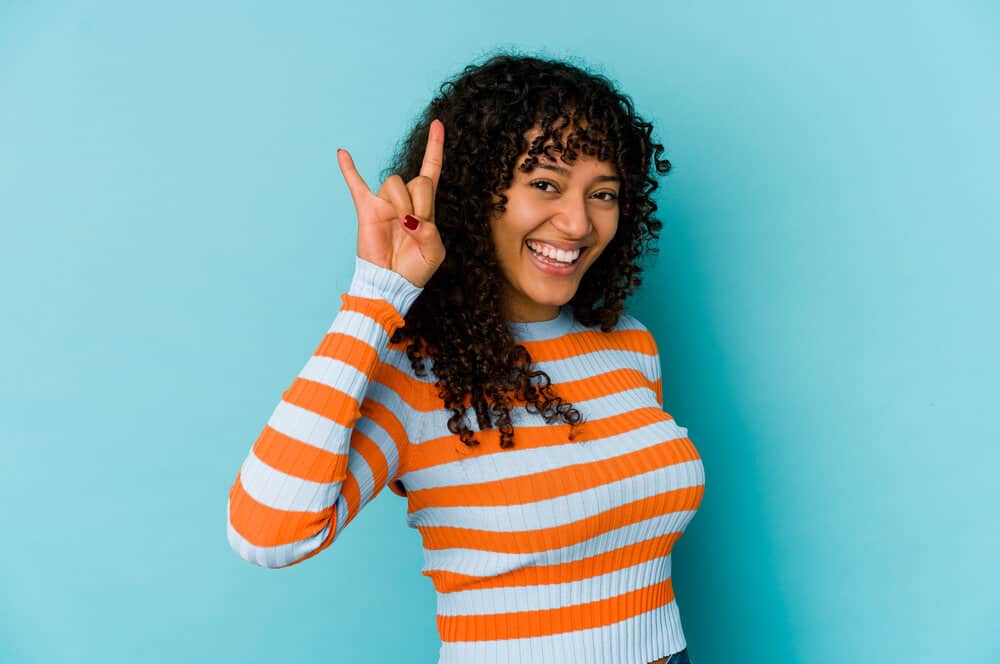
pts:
[410, 222]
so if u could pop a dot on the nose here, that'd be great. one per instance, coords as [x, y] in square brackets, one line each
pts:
[573, 220]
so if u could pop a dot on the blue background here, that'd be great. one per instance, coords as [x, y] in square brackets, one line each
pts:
[176, 234]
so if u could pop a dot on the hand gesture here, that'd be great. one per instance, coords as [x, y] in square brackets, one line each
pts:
[383, 238]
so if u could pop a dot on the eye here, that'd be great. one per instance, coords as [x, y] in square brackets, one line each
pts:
[541, 182]
[612, 195]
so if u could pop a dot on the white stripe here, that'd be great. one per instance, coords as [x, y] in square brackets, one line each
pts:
[309, 427]
[492, 563]
[639, 639]
[560, 510]
[339, 375]
[611, 405]
[341, 518]
[281, 491]
[359, 325]
[516, 462]
[358, 466]
[556, 595]
[584, 364]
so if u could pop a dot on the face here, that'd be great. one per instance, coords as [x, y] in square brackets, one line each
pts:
[557, 205]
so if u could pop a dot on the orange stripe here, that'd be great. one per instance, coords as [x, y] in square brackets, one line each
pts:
[376, 460]
[326, 542]
[557, 482]
[390, 422]
[575, 343]
[348, 349]
[545, 622]
[308, 462]
[436, 451]
[379, 310]
[323, 400]
[527, 541]
[603, 384]
[264, 526]
[326, 401]
[352, 496]
[577, 570]
[311, 463]
[409, 389]
[424, 397]
[293, 457]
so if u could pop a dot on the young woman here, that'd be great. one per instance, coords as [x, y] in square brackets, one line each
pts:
[500, 251]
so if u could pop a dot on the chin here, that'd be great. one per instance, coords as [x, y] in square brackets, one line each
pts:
[552, 299]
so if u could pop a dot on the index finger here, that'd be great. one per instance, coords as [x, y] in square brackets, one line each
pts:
[434, 154]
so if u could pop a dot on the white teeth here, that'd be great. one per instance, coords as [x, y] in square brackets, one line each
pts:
[552, 252]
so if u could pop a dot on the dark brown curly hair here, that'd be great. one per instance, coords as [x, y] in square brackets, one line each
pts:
[457, 321]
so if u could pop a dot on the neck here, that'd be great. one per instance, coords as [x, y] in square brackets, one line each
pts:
[535, 314]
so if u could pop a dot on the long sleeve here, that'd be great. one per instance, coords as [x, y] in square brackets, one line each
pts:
[335, 439]
[650, 356]
[656, 369]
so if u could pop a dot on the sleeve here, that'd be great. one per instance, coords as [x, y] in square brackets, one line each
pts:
[650, 354]
[656, 369]
[336, 437]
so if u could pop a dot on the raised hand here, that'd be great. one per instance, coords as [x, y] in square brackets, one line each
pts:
[383, 238]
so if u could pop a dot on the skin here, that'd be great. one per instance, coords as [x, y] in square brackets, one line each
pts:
[382, 238]
[577, 207]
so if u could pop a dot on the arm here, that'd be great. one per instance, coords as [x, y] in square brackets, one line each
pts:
[335, 438]
[649, 352]
[657, 369]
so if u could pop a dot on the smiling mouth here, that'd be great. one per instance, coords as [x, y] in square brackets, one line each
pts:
[553, 261]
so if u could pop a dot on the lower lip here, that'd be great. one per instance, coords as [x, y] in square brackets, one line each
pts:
[555, 269]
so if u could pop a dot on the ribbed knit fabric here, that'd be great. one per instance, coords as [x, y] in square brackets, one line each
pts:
[550, 551]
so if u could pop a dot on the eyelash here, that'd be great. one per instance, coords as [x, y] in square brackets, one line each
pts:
[608, 200]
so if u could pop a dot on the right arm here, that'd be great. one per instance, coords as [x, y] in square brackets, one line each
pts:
[335, 438]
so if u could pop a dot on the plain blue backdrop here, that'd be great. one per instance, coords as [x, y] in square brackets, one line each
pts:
[176, 234]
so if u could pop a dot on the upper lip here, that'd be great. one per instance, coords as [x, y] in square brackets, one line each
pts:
[566, 246]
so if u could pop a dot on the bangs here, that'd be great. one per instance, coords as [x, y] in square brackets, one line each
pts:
[583, 135]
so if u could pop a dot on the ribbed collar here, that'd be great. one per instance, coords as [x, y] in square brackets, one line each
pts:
[543, 329]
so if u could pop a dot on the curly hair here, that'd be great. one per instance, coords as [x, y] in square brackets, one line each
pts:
[457, 321]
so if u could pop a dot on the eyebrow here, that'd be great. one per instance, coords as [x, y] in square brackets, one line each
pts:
[565, 172]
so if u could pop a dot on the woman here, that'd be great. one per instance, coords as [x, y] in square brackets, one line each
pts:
[501, 250]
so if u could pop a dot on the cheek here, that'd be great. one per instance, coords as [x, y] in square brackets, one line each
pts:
[506, 244]
[601, 250]
[609, 236]
[508, 238]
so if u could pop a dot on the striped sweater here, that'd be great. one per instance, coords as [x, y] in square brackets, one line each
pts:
[550, 551]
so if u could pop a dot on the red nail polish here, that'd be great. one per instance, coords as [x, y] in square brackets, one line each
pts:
[410, 222]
